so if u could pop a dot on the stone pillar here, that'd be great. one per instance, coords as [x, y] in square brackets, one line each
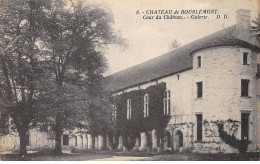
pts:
[90, 140]
[154, 140]
[125, 149]
[100, 142]
[120, 144]
[136, 144]
[143, 141]
[114, 139]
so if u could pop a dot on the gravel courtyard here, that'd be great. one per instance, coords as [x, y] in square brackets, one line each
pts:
[130, 156]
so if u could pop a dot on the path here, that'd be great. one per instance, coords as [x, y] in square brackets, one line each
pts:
[120, 158]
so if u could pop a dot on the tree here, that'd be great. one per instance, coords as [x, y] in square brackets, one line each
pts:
[75, 36]
[21, 64]
[256, 26]
[174, 44]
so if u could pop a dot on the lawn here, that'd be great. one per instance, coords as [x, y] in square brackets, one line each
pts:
[204, 157]
[126, 156]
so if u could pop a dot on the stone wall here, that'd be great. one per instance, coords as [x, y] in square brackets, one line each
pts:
[37, 140]
[221, 72]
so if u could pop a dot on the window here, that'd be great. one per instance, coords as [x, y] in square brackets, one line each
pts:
[244, 87]
[129, 109]
[245, 58]
[199, 89]
[167, 102]
[244, 126]
[199, 127]
[178, 77]
[199, 61]
[65, 139]
[146, 108]
[76, 140]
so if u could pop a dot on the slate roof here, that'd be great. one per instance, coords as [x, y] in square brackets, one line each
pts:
[172, 62]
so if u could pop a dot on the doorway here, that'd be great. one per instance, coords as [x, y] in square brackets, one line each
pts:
[178, 145]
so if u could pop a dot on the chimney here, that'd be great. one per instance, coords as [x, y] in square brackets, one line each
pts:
[243, 29]
[243, 19]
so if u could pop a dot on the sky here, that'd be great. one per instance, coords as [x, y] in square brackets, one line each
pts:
[148, 39]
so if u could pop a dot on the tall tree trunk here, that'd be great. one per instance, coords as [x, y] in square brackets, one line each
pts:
[23, 140]
[58, 134]
[22, 126]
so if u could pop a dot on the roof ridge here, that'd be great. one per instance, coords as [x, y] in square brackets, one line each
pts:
[172, 62]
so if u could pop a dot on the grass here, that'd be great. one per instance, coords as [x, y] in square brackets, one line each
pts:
[44, 155]
[205, 157]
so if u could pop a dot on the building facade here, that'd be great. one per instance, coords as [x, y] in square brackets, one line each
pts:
[212, 79]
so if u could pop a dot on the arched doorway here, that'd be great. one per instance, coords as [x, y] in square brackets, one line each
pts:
[167, 139]
[158, 139]
[178, 141]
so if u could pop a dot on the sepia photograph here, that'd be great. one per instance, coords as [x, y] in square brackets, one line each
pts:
[129, 80]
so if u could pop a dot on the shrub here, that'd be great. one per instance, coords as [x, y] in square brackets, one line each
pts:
[229, 138]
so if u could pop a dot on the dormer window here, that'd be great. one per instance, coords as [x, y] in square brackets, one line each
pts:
[199, 62]
[129, 110]
[146, 107]
[167, 102]
[245, 58]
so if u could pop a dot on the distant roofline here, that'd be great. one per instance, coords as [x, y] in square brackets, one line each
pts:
[152, 80]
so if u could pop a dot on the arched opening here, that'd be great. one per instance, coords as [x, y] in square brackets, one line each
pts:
[86, 143]
[180, 138]
[82, 143]
[178, 141]
[168, 139]
[93, 141]
[158, 139]
[149, 139]
[139, 139]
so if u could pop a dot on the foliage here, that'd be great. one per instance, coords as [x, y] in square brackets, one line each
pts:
[21, 66]
[174, 44]
[52, 57]
[227, 131]
[76, 36]
[156, 119]
[256, 26]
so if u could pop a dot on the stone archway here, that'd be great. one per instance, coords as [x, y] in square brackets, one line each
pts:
[178, 140]
[167, 140]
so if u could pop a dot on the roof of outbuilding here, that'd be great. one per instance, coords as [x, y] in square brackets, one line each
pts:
[172, 62]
